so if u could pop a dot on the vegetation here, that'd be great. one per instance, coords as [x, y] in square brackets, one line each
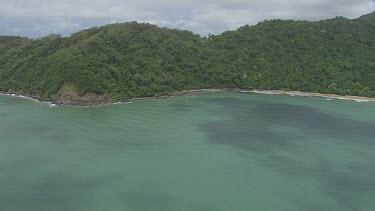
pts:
[134, 59]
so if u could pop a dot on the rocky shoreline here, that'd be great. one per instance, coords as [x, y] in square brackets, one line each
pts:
[97, 100]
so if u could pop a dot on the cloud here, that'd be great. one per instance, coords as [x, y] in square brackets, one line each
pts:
[35, 18]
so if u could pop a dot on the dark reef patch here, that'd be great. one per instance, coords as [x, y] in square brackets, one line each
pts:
[261, 128]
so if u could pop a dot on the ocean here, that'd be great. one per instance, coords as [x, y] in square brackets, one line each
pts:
[212, 151]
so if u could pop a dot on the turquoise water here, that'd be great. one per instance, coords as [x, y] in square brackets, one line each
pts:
[218, 151]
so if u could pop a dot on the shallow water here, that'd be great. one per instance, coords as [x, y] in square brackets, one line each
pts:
[217, 151]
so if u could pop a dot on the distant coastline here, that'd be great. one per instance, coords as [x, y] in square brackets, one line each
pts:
[84, 101]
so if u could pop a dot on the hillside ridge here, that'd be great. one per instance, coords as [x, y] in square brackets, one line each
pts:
[130, 60]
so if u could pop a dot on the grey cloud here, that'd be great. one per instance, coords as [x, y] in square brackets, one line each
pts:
[35, 18]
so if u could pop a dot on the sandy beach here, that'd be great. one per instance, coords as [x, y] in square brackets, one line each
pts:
[312, 94]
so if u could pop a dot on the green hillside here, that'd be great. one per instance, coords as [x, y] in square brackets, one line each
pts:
[123, 61]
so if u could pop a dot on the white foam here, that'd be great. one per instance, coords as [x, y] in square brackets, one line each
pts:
[361, 100]
[19, 96]
[266, 92]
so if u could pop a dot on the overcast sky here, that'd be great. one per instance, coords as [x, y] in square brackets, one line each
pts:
[36, 18]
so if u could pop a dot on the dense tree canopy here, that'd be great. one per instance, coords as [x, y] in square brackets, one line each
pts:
[138, 60]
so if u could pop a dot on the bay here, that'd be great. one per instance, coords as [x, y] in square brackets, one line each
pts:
[213, 151]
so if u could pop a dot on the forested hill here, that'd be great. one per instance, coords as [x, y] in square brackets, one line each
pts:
[123, 61]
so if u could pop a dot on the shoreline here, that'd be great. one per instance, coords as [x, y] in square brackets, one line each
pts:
[88, 102]
[313, 94]
[52, 102]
